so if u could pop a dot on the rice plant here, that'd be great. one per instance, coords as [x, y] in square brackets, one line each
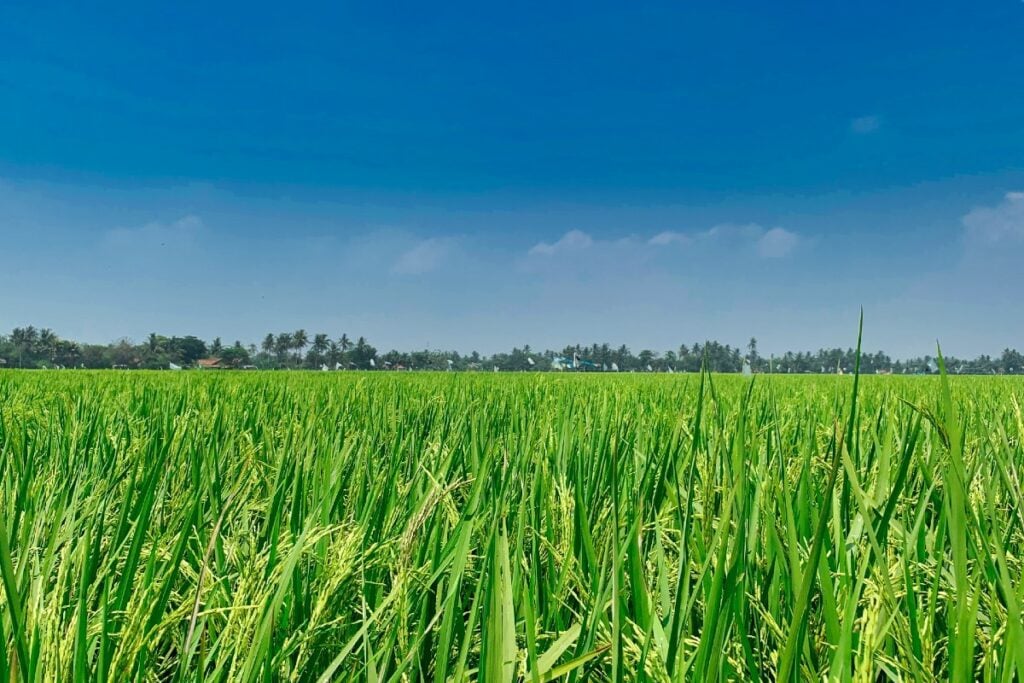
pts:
[453, 527]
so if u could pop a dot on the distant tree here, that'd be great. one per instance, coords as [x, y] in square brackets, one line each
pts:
[752, 357]
[282, 346]
[187, 350]
[318, 349]
[29, 347]
[299, 342]
[363, 353]
[236, 356]
[66, 353]
[1011, 362]
[334, 355]
[47, 342]
[124, 354]
[24, 340]
[623, 358]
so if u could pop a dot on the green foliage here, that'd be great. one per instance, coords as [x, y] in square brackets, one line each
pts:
[31, 348]
[531, 527]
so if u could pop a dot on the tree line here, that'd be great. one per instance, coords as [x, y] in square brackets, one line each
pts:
[29, 347]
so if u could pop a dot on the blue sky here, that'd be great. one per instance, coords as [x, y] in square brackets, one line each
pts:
[466, 176]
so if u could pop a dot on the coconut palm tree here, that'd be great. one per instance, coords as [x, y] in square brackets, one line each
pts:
[363, 353]
[25, 340]
[334, 354]
[299, 341]
[48, 342]
[319, 347]
[282, 345]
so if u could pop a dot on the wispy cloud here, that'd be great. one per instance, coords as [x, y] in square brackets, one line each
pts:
[573, 240]
[425, 257]
[996, 224]
[732, 232]
[862, 125]
[767, 242]
[667, 237]
[777, 242]
[774, 242]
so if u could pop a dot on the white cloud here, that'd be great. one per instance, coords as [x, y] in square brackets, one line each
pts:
[768, 243]
[771, 243]
[663, 239]
[776, 243]
[865, 124]
[423, 258]
[1000, 223]
[571, 241]
[732, 231]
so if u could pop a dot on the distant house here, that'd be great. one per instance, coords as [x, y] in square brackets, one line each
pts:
[574, 363]
[211, 364]
[3, 362]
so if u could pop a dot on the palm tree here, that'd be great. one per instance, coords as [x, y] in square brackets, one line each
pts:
[363, 352]
[48, 342]
[299, 342]
[268, 343]
[319, 347]
[24, 339]
[752, 355]
[282, 345]
[25, 336]
[333, 354]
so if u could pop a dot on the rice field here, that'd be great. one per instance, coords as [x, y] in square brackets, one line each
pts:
[453, 527]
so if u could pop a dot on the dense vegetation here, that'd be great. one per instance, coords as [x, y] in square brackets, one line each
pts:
[432, 527]
[28, 347]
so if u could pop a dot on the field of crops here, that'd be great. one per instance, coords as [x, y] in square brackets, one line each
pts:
[435, 527]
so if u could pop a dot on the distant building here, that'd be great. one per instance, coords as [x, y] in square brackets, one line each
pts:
[211, 364]
[575, 363]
